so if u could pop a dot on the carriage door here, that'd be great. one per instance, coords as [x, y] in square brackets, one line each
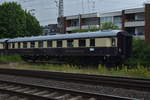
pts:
[6, 44]
[128, 41]
[121, 44]
[124, 45]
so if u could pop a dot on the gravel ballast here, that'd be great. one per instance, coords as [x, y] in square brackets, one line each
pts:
[142, 95]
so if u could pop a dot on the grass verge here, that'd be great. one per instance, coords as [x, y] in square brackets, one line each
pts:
[10, 58]
[139, 71]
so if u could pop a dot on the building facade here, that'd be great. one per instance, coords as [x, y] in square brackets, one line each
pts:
[134, 21]
[131, 20]
[84, 21]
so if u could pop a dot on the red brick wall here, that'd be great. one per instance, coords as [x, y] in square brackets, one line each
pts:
[147, 22]
[123, 20]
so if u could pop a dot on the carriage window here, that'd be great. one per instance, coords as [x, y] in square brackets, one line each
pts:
[25, 45]
[49, 44]
[4, 45]
[9, 45]
[59, 43]
[82, 43]
[32, 44]
[113, 42]
[40, 44]
[19, 45]
[13, 45]
[69, 43]
[92, 42]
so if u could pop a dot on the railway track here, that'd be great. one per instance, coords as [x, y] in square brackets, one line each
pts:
[23, 90]
[121, 82]
[17, 91]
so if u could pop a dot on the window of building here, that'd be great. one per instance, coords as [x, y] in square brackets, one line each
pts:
[113, 42]
[59, 43]
[69, 43]
[139, 31]
[92, 42]
[40, 44]
[130, 17]
[139, 17]
[32, 44]
[49, 44]
[117, 20]
[106, 19]
[75, 22]
[82, 43]
[90, 21]
[25, 45]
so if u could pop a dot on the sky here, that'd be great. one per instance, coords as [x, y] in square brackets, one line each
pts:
[46, 11]
[100, 5]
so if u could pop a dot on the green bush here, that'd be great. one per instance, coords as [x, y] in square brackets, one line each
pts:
[104, 26]
[140, 55]
[86, 30]
[109, 26]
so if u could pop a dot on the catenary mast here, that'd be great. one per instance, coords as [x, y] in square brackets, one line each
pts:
[61, 18]
[61, 8]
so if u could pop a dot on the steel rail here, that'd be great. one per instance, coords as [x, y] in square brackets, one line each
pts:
[121, 82]
[65, 91]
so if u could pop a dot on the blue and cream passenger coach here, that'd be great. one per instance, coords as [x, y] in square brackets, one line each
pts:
[89, 47]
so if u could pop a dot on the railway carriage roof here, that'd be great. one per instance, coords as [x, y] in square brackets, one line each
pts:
[68, 36]
[3, 40]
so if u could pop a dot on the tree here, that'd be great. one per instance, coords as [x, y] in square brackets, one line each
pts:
[109, 26]
[32, 25]
[16, 22]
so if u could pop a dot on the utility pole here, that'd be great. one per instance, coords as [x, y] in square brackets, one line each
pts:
[61, 19]
[93, 5]
[88, 6]
[61, 8]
